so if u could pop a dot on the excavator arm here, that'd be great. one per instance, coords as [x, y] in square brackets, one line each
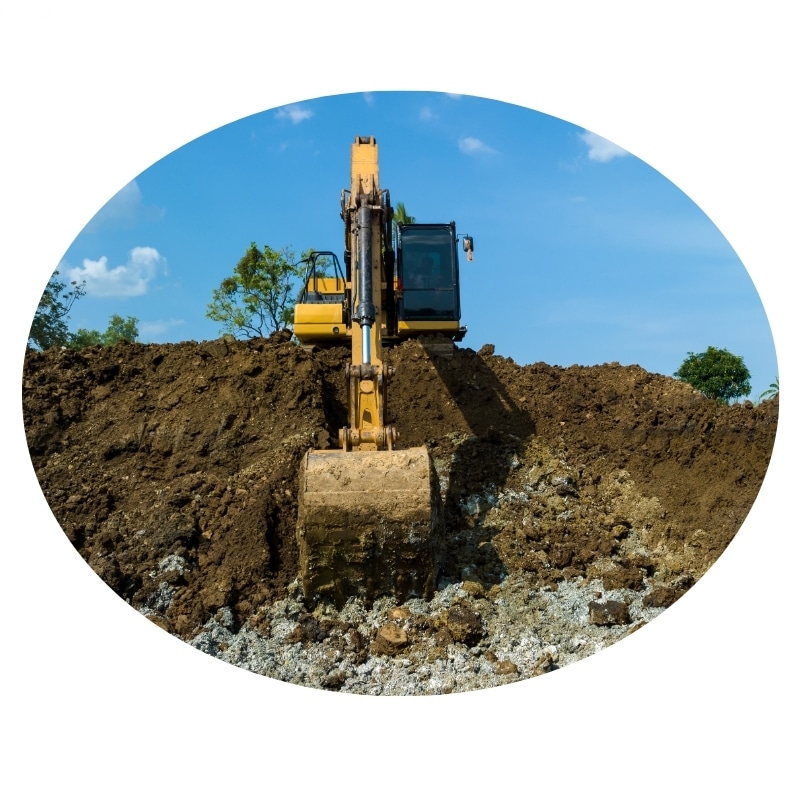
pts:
[369, 515]
[367, 215]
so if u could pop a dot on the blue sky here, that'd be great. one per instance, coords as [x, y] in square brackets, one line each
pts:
[583, 253]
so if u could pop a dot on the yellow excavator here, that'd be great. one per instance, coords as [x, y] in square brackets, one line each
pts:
[369, 515]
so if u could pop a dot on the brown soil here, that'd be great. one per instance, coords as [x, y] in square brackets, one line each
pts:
[178, 463]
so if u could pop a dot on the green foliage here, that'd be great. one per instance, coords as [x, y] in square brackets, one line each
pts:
[401, 217]
[84, 338]
[771, 392]
[121, 330]
[716, 373]
[118, 330]
[49, 327]
[257, 299]
[324, 265]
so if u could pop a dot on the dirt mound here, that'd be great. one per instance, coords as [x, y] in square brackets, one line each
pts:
[173, 469]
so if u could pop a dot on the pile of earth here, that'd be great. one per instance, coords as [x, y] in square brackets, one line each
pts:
[579, 502]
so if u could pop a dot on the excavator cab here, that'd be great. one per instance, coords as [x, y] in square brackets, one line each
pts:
[428, 291]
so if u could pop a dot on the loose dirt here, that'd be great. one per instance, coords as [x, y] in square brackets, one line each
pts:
[579, 502]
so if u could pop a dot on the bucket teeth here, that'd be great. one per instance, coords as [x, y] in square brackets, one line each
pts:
[369, 524]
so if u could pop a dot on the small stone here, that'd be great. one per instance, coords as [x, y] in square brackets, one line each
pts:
[464, 625]
[217, 348]
[547, 661]
[389, 640]
[612, 612]
[334, 679]
[474, 588]
[623, 577]
[662, 597]
[506, 667]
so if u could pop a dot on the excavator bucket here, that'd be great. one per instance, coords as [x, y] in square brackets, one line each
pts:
[369, 523]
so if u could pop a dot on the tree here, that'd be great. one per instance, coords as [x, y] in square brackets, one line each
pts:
[118, 330]
[324, 265]
[716, 373]
[121, 330]
[257, 299]
[401, 217]
[772, 391]
[49, 327]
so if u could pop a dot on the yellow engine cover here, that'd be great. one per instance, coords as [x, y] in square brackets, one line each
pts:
[322, 320]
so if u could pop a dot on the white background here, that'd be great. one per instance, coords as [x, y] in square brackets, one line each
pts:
[98, 701]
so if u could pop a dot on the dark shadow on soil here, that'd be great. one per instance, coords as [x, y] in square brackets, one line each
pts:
[483, 459]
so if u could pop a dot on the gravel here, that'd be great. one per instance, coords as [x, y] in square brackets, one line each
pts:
[525, 633]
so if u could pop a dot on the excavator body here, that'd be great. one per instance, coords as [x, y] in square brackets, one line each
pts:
[370, 521]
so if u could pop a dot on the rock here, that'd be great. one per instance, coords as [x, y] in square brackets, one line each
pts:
[662, 597]
[464, 625]
[217, 348]
[308, 629]
[389, 640]
[547, 661]
[334, 679]
[474, 588]
[623, 577]
[611, 612]
[505, 667]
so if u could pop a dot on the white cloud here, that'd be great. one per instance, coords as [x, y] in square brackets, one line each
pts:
[425, 114]
[128, 280]
[295, 113]
[156, 330]
[601, 149]
[472, 146]
[124, 210]
[369, 98]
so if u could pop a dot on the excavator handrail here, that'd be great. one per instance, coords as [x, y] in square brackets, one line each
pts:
[311, 274]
